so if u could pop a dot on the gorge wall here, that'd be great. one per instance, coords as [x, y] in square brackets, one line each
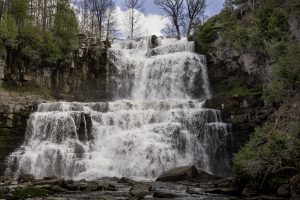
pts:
[23, 86]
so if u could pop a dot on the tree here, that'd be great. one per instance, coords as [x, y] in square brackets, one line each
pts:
[134, 8]
[66, 28]
[174, 10]
[19, 9]
[100, 9]
[195, 9]
[110, 21]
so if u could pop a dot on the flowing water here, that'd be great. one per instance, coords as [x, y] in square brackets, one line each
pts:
[155, 122]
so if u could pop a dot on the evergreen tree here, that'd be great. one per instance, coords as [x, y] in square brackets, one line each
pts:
[66, 29]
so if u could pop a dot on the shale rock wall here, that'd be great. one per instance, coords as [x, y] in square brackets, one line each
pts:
[80, 79]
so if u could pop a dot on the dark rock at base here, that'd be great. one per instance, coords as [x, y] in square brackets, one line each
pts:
[140, 190]
[26, 178]
[85, 186]
[283, 191]
[50, 178]
[295, 186]
[153, 41]
[127, 181]
[180, 174]
[6, 179]
[161, 194]
[263, 197]
[249, 190]
[4, 190]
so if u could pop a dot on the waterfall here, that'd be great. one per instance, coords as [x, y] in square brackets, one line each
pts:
[155, 122]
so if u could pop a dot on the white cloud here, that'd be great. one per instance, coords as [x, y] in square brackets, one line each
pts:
[151, 24]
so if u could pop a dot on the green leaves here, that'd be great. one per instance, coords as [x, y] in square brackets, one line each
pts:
[8, 30]
[66, 29]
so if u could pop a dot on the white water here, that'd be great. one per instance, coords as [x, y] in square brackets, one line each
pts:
[161, 126]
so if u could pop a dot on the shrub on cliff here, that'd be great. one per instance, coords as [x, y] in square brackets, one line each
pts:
[66, 29]
[8, 33]
[286, 75]
[273, 152]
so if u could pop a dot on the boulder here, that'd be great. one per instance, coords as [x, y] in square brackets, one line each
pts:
[26, 178]
[283, 191]
[6, 179]
[153, 42]
[179, 174]
[163, 194]
[295, 186]
[294, 23]
[140, 190]
[127, 181]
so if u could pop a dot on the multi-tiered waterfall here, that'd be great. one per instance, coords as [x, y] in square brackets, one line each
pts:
[156, 121]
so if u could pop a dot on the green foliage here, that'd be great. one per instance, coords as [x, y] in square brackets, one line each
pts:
[286, 75]
[30, 42]
[30, 192]
[66, 28]
[19, 9]
[271, 150]
[205, 35]
[28, 90]
[51, 51]
[39, 46]
[8, 31]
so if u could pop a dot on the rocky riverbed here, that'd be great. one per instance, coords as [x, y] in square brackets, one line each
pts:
[179, 183]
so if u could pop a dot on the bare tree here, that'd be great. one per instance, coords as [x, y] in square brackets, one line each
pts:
[173, 9]
[195, 9]
[100, 8]
[111, 22]
[134, 8]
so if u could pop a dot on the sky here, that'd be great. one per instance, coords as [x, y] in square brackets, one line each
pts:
[152, 20]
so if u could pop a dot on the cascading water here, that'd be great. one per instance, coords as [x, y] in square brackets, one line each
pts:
[162, 124]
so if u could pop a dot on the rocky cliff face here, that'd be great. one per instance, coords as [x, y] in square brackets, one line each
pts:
[14, 112]
[81, 79]
[236, 81]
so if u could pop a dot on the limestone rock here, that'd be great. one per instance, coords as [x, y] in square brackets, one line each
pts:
[153, 42]
[295, 186]
[26, 178]
[283, 191]
[294, 23]
[179, 174]
[163, 194]
[140, 190]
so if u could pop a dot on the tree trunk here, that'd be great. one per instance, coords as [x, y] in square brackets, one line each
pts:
[189, 28]
[177, 30]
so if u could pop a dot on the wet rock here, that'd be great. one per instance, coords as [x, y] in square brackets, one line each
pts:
[50, 178]
[140, 190]
[6, 179]
[294, 23]
[194, 190]
[26, 178]
[4, 190]
[249, 190]
[85, 186]
[127, 181]
[179, 174]
[163, 194]
[223, 182]
[263, 197]
[295, 186]
[153, 41]
[283, 191]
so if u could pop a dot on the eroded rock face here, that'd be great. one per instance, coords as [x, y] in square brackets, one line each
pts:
[294, 23]
[80, 79]
[179, 174]
[2, 65]
[15, 109]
